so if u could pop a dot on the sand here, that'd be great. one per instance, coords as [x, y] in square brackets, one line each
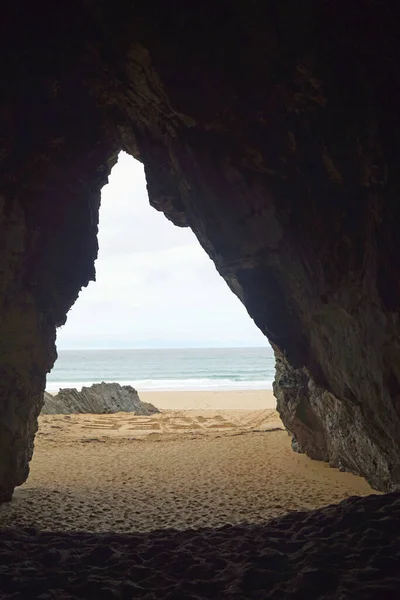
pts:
[349, 551]
[180, 469]
[248, 399]
[177, 505]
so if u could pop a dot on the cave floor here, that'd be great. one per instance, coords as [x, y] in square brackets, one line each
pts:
[347, 551]
[177, 469]
[188, 498]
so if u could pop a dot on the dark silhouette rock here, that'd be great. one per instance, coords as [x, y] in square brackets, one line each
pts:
[99, 398]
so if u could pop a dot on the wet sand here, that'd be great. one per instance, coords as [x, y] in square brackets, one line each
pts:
[179, 469]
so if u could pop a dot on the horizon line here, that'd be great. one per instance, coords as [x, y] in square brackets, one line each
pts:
[171, 348]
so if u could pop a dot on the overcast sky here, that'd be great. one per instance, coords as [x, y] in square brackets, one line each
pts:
[156, 287]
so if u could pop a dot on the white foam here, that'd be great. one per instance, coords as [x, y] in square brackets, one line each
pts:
[170, 385]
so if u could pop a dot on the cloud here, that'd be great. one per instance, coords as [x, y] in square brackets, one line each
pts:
[156, 287]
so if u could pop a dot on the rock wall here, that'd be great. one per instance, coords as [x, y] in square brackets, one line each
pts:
[326, 428]
[271, 129]
[99, 398]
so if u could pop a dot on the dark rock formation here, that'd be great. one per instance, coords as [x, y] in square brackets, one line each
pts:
[341, 552]
[325, 428]
[99, 398]
[270, 128]
[292, 389]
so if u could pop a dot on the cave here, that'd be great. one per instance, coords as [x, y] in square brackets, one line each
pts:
[272, 131]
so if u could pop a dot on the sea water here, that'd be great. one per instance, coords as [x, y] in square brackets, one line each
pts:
[166, 369]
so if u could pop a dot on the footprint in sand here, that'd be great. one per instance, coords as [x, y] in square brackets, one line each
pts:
[201, 419]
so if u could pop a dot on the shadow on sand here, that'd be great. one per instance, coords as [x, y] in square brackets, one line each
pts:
[350, 550]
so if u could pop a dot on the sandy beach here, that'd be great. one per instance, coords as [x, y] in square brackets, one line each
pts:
[186, 468]
[203, 400]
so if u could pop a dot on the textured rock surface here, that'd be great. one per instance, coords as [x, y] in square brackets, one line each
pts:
[270, 128]
[339, 552]
[327, 429]
[99, 398]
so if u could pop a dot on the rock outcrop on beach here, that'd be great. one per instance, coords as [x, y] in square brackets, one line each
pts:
[99, 398]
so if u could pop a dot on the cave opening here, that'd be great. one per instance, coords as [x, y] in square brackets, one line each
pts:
[156, 289]
[272, 129]
[195, 453]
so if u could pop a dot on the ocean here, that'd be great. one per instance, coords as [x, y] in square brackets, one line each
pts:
[166, 370]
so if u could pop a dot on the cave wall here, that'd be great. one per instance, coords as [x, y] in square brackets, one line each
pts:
[271, 129]
[55, 159]
[332, 430]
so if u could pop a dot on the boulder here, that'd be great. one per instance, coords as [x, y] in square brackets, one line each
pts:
[99, 398]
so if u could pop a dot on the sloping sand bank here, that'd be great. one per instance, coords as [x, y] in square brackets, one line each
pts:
[350, 551]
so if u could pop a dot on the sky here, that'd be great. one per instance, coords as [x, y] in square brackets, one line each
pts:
[155, 285]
